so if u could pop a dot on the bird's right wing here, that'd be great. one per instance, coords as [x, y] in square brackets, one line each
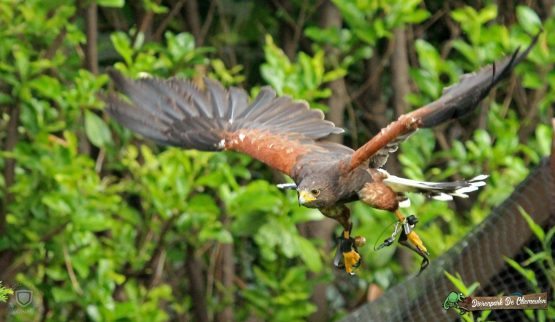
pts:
[275, 130]
[456, 101]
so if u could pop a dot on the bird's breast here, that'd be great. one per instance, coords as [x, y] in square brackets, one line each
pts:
[350, 184]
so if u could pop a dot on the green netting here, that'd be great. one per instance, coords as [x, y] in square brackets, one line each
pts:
[479, 257]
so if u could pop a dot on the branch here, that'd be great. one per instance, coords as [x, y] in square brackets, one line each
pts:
[192, 16]
[55, 45]
[9, 164]
[227, 267]
[91, 50]
[51, 234]
[164, 24]
[207, 23]
[69, 267]
[158, 256]
[146, 22]
[194, 274]
[225, 27]
[400, 71]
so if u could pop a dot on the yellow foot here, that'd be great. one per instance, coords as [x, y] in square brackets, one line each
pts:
[412, 236]
[351, 259]
[347, 256]
[417, 242]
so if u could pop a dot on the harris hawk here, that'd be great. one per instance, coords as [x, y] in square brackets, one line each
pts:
[287, 135]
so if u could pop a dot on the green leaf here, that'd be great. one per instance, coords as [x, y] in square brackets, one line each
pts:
[309, 254]
[334, 74]
[94, 313]
[528, 19]
[488, 13]
[428, 56]
[154, 7]
[464, 14]
[303, 214]
[467, 50]
[265, 278]
[179, 45]
[122, 44]
[532, 80]
[21, 62]
[47, 86]
[111, 3]
[417, 16]
[63, 295]
[460, 285]
[536, 229]
[4, 292]
[97, 130]
[544, 136]
[538, 257]
[528, 274]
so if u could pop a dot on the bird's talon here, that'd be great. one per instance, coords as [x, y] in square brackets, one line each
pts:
[347, 256]
[351, 260]
[410, 239]
[424, 264]
[417, 242]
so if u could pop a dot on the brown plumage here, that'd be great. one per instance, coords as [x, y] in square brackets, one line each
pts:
[286, 134]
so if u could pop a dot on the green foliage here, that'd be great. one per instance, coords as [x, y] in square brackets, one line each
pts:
[111, 3]
[528, 19]
[460, 285]
[4, 293]
[542, 259]
[177, 56]
[371, 20]
[285, 299]
[101, 225]
[302, 79]
[494, 150]
[467, 291]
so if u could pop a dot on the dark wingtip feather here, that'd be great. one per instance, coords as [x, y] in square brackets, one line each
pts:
[463, 97]
[116, 77]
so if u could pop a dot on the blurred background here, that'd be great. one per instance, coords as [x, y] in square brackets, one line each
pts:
[100, 225]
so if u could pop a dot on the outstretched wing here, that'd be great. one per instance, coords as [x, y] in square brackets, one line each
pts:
[456, 101]
[274, 130]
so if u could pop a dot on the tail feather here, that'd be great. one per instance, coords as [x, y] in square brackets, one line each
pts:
[444, 191]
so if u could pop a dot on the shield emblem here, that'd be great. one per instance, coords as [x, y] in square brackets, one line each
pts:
[23, 297]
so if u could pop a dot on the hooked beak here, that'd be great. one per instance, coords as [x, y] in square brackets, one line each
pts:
[305, 197]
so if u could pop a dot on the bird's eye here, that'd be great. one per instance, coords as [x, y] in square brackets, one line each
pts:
[315, 192]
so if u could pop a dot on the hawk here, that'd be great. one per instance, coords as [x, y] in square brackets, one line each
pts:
[287, 135]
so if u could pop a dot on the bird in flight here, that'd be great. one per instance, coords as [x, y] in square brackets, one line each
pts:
[287, 135]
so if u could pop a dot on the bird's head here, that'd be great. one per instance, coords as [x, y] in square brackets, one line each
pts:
[316, 193]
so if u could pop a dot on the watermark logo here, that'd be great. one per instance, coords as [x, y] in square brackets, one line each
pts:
[464, 304]
[21, 303]
[454, 301]
[23, 297]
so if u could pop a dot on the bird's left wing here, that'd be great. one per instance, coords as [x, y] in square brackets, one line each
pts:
[275, 130]
[456, 101]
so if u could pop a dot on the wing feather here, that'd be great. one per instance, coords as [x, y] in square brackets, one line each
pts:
[456, 101]
[274, 130]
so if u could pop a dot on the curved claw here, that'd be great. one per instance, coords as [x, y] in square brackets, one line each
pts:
[411, 240]
[403, 240]
[425, 259]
